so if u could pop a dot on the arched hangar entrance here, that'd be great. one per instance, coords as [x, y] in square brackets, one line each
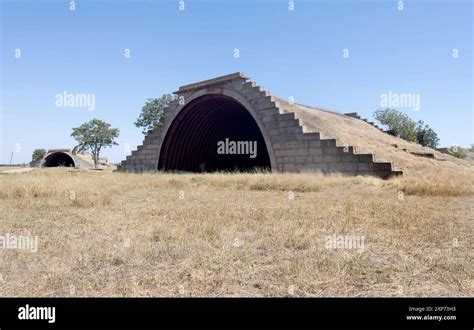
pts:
[214, 132]
[57, 159]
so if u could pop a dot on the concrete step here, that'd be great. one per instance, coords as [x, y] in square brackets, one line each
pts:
[357, 116]
[249, 84]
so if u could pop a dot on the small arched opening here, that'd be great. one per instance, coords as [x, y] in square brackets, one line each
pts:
[58, 159]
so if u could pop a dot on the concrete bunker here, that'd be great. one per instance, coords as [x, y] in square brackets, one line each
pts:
[58, 159]
[214, 132]
[290, 137]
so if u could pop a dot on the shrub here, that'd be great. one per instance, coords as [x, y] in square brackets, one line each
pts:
[426, 136]
[38, 154]
[458, 152]
[399, 124]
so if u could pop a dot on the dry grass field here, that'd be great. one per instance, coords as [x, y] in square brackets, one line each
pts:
[261, 234]
[8, 168]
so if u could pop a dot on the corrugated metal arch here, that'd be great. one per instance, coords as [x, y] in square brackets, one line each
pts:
[191, 139]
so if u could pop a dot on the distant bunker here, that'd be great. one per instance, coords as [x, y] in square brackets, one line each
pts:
[231, 124]
[66, 158]
[58, 158]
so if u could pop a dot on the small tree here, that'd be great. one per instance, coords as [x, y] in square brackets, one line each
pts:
[426, 136]
[152, 113]
[38, 154]
[93, 136]
[458, 152]
[398, 123]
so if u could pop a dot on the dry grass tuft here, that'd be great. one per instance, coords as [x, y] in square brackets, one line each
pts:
[433, 183]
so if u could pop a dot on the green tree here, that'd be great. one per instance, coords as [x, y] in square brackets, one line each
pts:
[426, 136]
[93, 136]
[458, 152]
[398, 123]
[38, 154]
[152, 113]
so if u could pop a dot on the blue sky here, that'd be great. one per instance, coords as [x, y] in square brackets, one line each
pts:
[291, 53]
